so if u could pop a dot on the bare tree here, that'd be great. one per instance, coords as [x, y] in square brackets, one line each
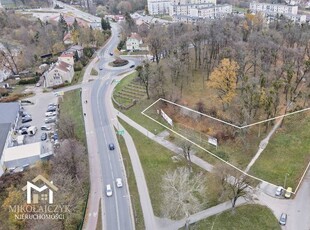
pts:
[186, 148]
[66, 127]
[234, 184]
[182, 193]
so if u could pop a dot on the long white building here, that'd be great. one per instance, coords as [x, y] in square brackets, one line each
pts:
[273, 8]
[156, 7]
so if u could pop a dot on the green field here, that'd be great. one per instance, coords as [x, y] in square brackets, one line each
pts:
[155, 160]
[288, 152]
[251, 216]
[71, 106]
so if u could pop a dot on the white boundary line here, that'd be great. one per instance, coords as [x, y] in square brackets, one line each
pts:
[239, 127]
[225, 122]
[212, 154]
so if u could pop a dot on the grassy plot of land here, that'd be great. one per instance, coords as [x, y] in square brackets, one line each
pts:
[155, 160]
[78, 76]
[99, 220]
[288, 152]
[94, 72]
[71, 106]
[135, 200]
[254, 217]
[135, 112]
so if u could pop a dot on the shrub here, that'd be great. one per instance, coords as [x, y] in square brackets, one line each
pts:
[78, 66]
[119, 62]
[31, 80]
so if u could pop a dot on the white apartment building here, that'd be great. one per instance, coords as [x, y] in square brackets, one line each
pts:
[193, 13]
[274, 8]
[156, 7]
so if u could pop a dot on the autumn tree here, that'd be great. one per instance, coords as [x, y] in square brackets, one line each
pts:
[224, 80]
[183, 193]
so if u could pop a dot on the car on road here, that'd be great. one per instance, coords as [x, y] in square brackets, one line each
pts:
[43, 136]
[100, 68]
[111, 146]
[288, 192]
[279, 191]
[283, 219]
[132, 66]
[109, 190]
[26, 119]
[111, 54]
[46, 127]
[119, 182]
[50, 114]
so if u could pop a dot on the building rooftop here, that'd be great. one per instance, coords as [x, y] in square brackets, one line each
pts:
[4, 130]
[8, 112]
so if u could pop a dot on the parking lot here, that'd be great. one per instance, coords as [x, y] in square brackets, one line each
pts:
[37, 110]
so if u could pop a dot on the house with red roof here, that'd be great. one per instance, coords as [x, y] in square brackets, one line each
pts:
[67, 58]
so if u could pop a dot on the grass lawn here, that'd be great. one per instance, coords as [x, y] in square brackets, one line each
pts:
[135, 112]
[155, 160]
[94, 72]
[251, 216]
[78, 76]
[287, 152]
[99, 220]
[71, 106]
[135, 200]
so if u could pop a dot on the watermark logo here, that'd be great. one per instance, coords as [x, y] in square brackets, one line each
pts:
[43, 194]
[40, 202]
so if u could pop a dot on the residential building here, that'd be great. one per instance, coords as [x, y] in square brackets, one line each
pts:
[191, 13]
[8, 122]
[59, 73]
[67, 58]
[76, 48]
[156, 7]
[134, 42]
[273, 8]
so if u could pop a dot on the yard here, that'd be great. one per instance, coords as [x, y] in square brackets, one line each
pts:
[155, 160]
[288, 152]
[254, 217]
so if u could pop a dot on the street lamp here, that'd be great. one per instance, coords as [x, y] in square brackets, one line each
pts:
[286, 174]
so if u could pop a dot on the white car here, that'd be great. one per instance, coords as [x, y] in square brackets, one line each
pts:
[50, 114]
[119, 182]
[109, 190]
[279, 191]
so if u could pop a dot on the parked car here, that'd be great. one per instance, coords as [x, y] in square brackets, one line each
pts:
[279, 191]
[50, 120]
[111, 146]
[131, 66]
[283, 219]
[24, 127]
[55, 136]
[46, 127]
[51, 109]
[111, 54]
[288, 193]
[109, 190]
[43, 136]
[52, 104]
[32, 130]
[119, 182]
[23, 131]
[24, 114]
[26, 119]
[50, 114]
[101, 68]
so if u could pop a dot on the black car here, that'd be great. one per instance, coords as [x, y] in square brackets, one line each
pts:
[26, 119]
[43, 136]
[131, 66]
[111, 146]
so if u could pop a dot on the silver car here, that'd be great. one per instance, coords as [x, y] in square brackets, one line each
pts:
[283, 219]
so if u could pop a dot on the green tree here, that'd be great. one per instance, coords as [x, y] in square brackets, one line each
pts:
[62, 24]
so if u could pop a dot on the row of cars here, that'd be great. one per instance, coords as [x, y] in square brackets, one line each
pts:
[287, 194]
